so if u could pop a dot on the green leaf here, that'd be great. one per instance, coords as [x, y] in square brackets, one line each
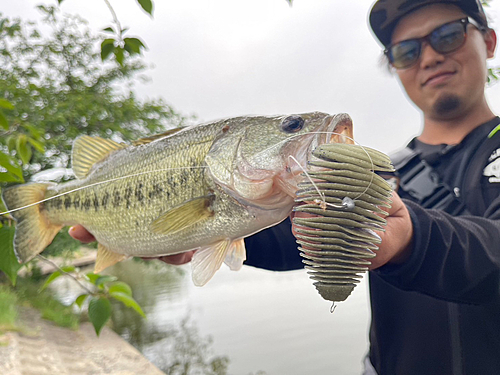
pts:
[60, 1]
[81, 299]
[37, 145]
[51, 278]
[107, 46]
[108, 30]
[11, 142]
[128, 301]
[8, 261]
[3, 121]
[99, 312]
[35, 132]
[120, 287]
[92, 277]
[6, 104]
[101, 280]
[23, 149]
[13, 170]
[119, 55]
[147, 5]
[134, 44]
[8, 177]
[68, 269]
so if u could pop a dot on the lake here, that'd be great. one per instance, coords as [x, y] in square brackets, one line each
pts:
[252, 321]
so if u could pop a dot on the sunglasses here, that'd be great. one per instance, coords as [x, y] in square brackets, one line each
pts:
[443, 39]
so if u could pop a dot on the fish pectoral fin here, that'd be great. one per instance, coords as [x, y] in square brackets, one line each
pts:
[146, 140]
[106, 258]
[207, 261]
[236, 255]
[89, 150]
[183, 215]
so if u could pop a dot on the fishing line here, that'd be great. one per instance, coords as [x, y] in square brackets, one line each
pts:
[346, 202]
[334, 306]
[322, 204]
[96, 184]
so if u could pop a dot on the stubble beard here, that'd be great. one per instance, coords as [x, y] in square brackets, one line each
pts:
[447, 106]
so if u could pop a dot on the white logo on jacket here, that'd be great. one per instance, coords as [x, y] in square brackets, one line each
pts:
[492, 170]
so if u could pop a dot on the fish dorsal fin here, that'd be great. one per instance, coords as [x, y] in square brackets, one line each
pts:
[106, 258]
[146, 140]
[236, 255]
[207, 261]
[183, 216]
[89, 150]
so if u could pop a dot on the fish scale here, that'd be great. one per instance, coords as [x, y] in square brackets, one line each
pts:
[336, 240]
[203, 188]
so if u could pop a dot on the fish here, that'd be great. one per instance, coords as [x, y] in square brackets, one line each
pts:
[203, 187]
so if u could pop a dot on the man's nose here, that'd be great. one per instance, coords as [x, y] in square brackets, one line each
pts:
[429, 57]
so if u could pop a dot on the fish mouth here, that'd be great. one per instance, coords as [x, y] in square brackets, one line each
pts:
[334, 129]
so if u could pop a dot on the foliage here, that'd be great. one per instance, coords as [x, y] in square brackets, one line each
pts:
[101, 289]
[8, 262]
[190, 353]
[120, 47]
[27, 293]
[64, 245]
[8, 311]
[57, 88]
[54, 87]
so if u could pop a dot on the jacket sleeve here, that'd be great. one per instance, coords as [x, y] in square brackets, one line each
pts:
[274, 249]
[454, 258]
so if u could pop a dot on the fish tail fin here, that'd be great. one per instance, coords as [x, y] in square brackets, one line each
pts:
[34, 232]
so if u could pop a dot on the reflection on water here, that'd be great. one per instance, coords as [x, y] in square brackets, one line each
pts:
[247, 322]
[169, 338]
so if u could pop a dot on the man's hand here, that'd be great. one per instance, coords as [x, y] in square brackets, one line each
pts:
[79, 233]
[396, 243]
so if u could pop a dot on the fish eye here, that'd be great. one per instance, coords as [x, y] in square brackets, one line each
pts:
[292, 124]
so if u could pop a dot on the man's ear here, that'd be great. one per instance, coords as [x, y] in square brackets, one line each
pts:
[490, 38]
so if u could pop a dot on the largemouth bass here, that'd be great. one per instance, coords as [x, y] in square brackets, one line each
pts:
[204, 187]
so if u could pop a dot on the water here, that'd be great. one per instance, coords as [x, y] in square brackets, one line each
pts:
[251, 321]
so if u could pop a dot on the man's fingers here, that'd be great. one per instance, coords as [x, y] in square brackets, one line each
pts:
[81, 234]
[177, 259]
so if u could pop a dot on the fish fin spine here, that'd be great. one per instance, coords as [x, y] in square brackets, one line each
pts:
[88, 151]
[236, 255]
[34, 232]
[207, 261]
[146, 140]
[106, 258]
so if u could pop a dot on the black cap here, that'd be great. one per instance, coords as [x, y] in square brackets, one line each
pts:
[385, 14]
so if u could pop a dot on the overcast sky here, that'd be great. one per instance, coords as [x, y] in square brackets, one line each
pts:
[223, 58]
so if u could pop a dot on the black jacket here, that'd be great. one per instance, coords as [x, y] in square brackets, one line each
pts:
[439, 313]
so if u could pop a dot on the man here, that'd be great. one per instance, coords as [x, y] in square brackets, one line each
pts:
[438, 312]
[435, 283]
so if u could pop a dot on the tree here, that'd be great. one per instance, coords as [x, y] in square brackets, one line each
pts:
[54, 87]
[58, 88]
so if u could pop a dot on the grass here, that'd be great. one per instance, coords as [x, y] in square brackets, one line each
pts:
[27, 293]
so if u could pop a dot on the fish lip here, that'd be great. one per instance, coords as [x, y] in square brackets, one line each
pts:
[437, 74]
[323, 133]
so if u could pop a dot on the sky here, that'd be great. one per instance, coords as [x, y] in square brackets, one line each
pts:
[224, 58]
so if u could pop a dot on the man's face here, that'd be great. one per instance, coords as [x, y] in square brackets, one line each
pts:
[444, 86]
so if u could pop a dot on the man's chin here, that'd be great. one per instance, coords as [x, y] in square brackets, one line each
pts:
[447, 106]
